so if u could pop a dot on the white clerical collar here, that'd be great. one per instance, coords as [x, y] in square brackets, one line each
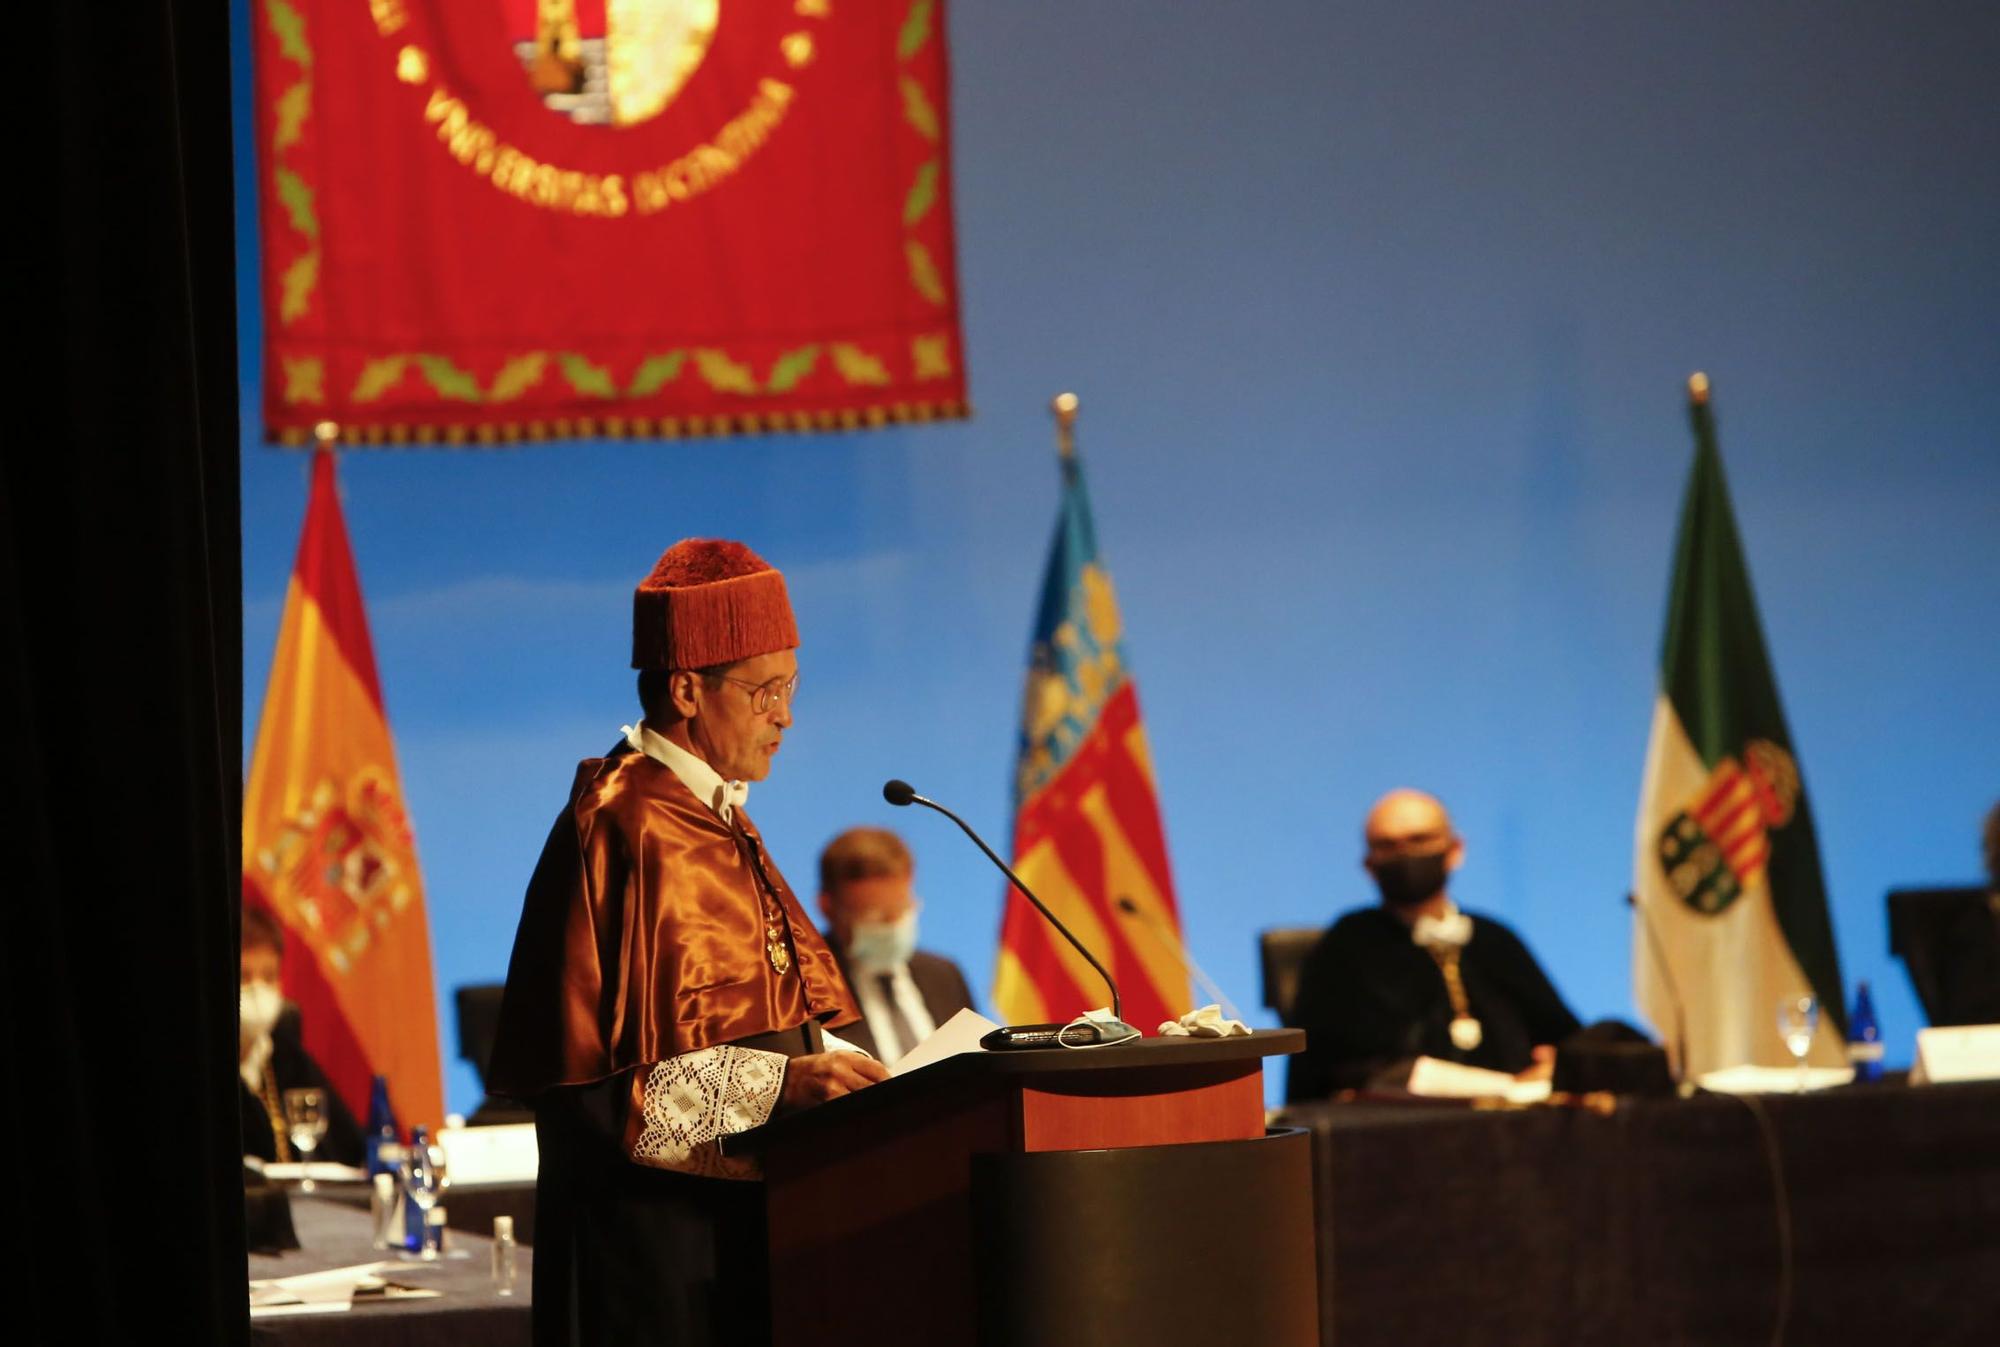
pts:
[1453, 930]
[724, 797]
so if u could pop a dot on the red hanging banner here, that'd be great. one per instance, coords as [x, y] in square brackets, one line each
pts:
[552, 218]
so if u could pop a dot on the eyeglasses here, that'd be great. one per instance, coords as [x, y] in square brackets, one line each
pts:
[763, 696]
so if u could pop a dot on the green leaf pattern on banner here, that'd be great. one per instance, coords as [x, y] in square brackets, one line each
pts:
[290, 30]
[917, 109]
[791, 367]
[379, 376]
[591, 380]
[722, 374]
[517, 376]
[293, 105]
[923, 194]
[298, 201]
[923, 272]
[916, 31]
[656, 372]
[856, 366]
[448, 379]
[295, 286]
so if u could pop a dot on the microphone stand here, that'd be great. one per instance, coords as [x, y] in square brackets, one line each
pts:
[902, 793]
[1178, 948]
[1673, 989]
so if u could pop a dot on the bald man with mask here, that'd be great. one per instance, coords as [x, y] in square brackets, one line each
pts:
[1416, 976]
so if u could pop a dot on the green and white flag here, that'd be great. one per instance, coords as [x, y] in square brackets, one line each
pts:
[1726, 863]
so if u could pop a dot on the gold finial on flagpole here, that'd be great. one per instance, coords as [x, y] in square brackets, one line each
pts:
[325, 433]
[1064, 406]
[1698, 388]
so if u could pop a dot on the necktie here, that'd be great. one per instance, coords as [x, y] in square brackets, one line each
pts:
[899, 1025]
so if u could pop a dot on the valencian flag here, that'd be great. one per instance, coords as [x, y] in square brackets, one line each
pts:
[327, 846]
[1727, 863]
[1086, 821]
[523, 219]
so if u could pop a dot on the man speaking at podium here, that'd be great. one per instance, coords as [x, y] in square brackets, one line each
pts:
[666, 987]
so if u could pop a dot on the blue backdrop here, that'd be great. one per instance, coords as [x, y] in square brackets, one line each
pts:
[1381, 316]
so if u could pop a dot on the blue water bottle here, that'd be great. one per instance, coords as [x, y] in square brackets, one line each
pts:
[1864, 1037]
[416, 1179]
[385, 1139]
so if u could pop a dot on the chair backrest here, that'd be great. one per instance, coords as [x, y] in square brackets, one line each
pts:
[1282, 952]
[1949, 940]
[478, 1007]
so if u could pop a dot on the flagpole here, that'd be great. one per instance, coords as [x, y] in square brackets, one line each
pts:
[1064, 406]
[1698, 389]
[325, 433]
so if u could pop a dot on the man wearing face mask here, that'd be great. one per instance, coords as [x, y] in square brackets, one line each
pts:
[867, 893]
[1416, 976]
[272, 1060]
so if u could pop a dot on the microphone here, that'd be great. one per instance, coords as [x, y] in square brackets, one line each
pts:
[1666, 973]
[1179, 950]
[901, 793]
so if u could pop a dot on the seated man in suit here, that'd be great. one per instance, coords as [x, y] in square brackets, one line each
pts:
[271, 1059]
[867, 892]
[1416, 976]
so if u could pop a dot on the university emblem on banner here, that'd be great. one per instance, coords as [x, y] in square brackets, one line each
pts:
[336, 868]
[1716, 846]
[617, 62]
[535, 219]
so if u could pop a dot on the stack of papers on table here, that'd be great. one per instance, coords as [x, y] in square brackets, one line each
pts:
[1437, 1079]
[1773, 1079]
[327, 1292]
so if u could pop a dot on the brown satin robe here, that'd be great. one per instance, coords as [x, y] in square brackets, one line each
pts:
[644, 936]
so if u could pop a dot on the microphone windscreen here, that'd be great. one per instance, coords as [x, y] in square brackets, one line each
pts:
[898, 792]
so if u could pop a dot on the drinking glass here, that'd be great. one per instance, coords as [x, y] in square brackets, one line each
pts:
[305, 1122]
[420, 1181]
[1798, 1019]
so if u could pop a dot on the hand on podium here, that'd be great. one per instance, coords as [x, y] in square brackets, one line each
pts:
[821, 1076]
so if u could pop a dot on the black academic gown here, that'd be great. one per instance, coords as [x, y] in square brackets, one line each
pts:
[294, 1068]
[1370, 999]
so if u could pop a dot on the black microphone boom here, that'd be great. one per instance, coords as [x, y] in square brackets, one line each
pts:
[903, 793]
[1666, 973]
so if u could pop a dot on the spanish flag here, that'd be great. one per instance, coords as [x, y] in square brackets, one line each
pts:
[1087, 835]
[327, 845]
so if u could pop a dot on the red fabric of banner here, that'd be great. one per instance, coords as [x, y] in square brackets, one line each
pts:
[603, 217]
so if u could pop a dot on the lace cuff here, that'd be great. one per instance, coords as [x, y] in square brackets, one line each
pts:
[687, 1104]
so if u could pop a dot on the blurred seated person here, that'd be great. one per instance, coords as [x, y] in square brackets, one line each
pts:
[1416, 976]
[272, 1059]
[867, 891]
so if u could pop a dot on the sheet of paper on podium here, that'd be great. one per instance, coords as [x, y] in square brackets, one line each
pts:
[960, 1033]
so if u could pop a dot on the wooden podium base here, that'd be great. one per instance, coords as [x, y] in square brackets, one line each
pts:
[1117, 1195]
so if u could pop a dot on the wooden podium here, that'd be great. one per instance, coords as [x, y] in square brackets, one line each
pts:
[1061, 1198]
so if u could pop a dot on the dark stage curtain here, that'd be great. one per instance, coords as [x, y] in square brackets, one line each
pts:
[120, 641]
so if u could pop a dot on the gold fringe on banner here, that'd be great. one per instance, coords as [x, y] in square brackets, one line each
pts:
[459, 435]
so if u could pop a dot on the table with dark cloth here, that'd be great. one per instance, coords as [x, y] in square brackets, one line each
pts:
[1869, 1213]
[334, 1233]
[469, 1207]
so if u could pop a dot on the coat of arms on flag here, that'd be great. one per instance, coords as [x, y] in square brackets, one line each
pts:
[1716, 847]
